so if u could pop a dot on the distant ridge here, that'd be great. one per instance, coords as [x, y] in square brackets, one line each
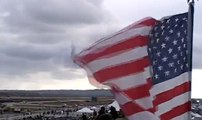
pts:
[55, 93]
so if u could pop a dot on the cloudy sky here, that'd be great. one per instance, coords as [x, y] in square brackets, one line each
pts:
[37, 36]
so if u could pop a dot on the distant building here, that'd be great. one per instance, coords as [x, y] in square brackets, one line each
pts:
[18, 110]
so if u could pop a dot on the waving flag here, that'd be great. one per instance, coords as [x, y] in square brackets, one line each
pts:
[145, 64]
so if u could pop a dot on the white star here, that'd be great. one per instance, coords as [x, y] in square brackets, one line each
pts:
[167, 73]
[181, 67]
[170, 50]
[162, 33]
[171, 64]
[162, 27]
[154, 62]
[175, 56]
[184, 45]
[178, 34]
[149, 49]
[168, 21]
[185, 31]
[160, 68]
[175, 70]
[182, 40]
[157, 40]
[164, 59]
[176, 19]
[179, 48]
[154, 47]
[167, 38]
[170, 31]
[184, 58]
[175, 42]
[184, 18]
[176, 25]
[187, 65]
[156, 76]
[163, 45]
[158, 54]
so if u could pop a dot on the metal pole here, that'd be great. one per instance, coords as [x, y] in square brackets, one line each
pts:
[190, 32]
[190, 41]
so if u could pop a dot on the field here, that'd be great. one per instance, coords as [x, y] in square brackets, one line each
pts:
[35, 104]
[12, 105]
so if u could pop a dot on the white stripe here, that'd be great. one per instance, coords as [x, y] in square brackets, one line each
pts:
[129, 55]
[143, 116]
[121, 98]
[143, 31]
[92, 80]
[130, 81]
[169, 84]
[135, 24]
[169, 105]
[146, 102]
[185, 116]
[143, 102]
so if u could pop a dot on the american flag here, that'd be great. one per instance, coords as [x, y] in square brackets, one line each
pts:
[145, 64]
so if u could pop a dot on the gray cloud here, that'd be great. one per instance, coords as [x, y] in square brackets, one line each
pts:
[197, 43]
[197, 56]
[36, 36]
[50, 15]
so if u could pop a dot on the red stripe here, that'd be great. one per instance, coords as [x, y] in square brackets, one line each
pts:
[122, 70]
[131, 43]
[166, 96]
[131, 108]
[149, 22]
[139, 91]
[177, 111]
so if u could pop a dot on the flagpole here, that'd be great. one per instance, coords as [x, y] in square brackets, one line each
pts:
[190, 40]
[190, 32]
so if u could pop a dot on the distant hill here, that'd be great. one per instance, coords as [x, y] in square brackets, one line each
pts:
[55, 93]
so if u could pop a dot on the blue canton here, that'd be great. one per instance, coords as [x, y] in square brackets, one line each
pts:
[168, 48]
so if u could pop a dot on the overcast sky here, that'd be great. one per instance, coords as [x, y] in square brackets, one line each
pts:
[36, 37]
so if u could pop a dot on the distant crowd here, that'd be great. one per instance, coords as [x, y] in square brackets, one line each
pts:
[98, 114]
[104, 114]
[40, 117]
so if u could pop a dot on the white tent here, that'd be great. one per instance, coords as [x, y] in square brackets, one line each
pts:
[115, 104]
[85, 110]
[196, 115]
[93, 108]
